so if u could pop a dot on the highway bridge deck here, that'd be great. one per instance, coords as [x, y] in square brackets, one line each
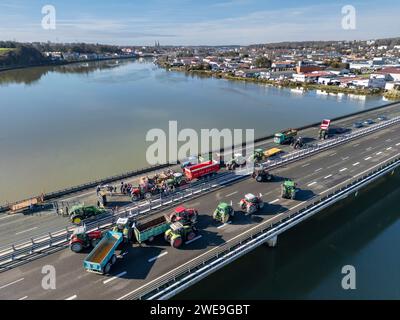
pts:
[139, 267]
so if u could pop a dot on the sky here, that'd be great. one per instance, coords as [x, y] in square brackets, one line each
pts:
[189, 22]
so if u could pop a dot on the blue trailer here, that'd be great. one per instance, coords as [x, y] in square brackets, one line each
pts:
[103, 255]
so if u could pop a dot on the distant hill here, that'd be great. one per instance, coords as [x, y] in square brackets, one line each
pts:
[20, 56]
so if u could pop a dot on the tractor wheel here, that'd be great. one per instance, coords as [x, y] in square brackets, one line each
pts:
[107, 268]
[215, 216]
[191, 236]
[225, 218]
[94, 242]
[292, 196]
[77, 220]
[251, 210]
[269, 177]
[167, 237]
[261, 205]
[259, 178]
[135, 198]
[113, 259]
[231, 212]
[147, 195]
[76, 247]
[176, 242]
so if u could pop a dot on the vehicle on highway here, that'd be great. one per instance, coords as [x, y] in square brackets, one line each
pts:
[182, 214]
[223, 212]
[178, 233]
[202, 170]
[148, 230]
[79, 213]
[297, 143]
[357, 125]
[125, 226]
[286, 136]
[324, 129]
[368, 122]
[260, 154]
[251, 203]
[190, 161]
[289, 189]
[261, 174]
[81, 240]
[237, 161]
[382, 118]
[103, 256]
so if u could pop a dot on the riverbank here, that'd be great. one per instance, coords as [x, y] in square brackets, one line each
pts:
[395, 95]
[63, 63]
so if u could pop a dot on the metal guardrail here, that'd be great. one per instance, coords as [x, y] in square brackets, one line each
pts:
[192, 272]
[17, 253]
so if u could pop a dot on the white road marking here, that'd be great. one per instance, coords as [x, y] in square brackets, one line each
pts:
[11, 283]
[23, 298]
[398, 144]
[333, 154]
[224, 225]
[328, 176]
[305, 165]
[72, 297]
[361, 173]
[379, 153]
[193, 240]
[115, 277]
[318, 170]
[311, 184]
[231, 194]
[297, 205]
[159, 256]
[388, 140]
[356, 164]
[344, 169]
[390, 148]
[275, 201]
[27, 230]
[356, 145]
[344, 159]
[6, 216]
[366, 159]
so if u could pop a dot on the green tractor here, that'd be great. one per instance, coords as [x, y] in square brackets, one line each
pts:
[179, 233]
[80, 213]
[257, 156]
[124, 226]
[176, 180]
[223, 212]
[289, 189]
[261, 174]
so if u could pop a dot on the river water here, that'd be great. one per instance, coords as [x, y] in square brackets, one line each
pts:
[66, 125]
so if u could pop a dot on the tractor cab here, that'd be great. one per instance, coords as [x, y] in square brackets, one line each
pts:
[181, 213]
[251, 198]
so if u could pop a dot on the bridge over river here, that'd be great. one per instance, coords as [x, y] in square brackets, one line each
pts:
[326, 172]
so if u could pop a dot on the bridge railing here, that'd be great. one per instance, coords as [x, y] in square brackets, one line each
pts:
[175, 281]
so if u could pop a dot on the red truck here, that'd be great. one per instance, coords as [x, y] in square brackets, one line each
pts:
[201, 170]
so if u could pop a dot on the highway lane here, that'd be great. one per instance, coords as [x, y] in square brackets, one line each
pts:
[21, 227]
[140, 265]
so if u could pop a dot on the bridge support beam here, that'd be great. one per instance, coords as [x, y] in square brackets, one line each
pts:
[272, 242]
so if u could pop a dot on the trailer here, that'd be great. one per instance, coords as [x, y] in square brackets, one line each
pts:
[202, 170]
[103, 255]
[150, 229]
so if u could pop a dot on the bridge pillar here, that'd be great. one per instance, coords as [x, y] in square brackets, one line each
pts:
[272, 242]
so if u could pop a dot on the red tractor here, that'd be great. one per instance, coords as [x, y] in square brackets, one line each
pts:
[81, 240]
[251, 204]
[182, 214]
